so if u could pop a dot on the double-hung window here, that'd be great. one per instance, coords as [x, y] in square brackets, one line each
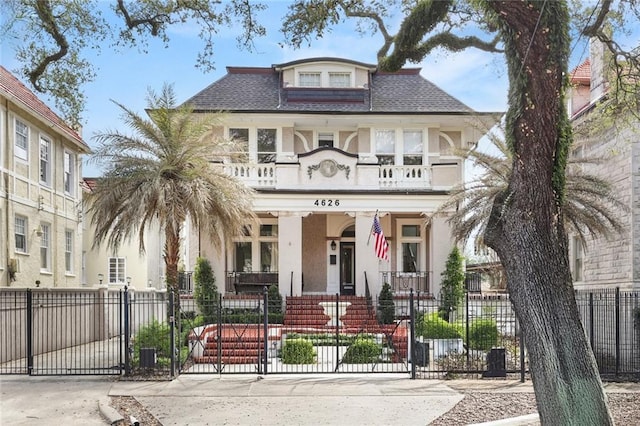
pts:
[339, 79]
[117, 270]
[267, 145]
[22, 140]
[20, 233]
[385, 146]
[69, 173]
[68, 251]
[45, 161]
[241, 137]
[309, 79]
[45, 247]
[412, 144]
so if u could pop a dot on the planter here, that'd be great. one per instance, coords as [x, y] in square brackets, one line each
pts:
[444, 347]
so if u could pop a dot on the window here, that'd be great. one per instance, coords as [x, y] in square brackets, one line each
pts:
[45, 244]
[21, 234]
[69, 171]
[385, 146]
[577, 259]
[68, 251]
[309, 79]
[266, 145]
[45, 161]
[325, 139]
[412, 140]
[339, 79]
[116, 270]
[22, 140]
[411, 243]
[241, 136]
[258, 248]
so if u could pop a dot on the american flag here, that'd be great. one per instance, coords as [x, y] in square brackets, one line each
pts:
[381, 246]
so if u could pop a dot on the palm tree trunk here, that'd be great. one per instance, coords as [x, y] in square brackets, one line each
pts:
[171, 259]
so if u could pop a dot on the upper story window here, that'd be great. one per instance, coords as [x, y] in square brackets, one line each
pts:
[45, 161]
[339, 79]
[267, 145]
[385, 141]
[69, 173]
[309, 79]
[20, 233]
[45, 247]
[68, 251]
[412, 143]
[22, 140]
[325, 139]
[241, 137]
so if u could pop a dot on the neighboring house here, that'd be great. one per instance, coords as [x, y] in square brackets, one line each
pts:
[329, 143]
[40, 207]
[612, 261]
[126, 265]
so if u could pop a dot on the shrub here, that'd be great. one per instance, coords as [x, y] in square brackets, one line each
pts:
[297, 351]
[154, 335]
[386, 306]
[432, 326]
[483, 334]
[362, 351]
[275, 300]
[452, 287]
[205, 292]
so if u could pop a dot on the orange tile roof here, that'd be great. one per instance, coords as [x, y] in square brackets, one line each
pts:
[19, 93]
[581, 73]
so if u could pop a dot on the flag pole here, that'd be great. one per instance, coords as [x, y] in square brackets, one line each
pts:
[371, 231]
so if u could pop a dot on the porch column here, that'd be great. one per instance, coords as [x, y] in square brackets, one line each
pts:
[439, 248]
[290, 252]
[366, 260]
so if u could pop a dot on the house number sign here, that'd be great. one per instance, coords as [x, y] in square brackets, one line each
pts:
[322, 202]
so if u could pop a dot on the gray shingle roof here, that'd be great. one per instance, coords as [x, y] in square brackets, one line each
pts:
[258, 89]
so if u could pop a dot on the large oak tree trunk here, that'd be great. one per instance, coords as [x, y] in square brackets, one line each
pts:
[526, 228]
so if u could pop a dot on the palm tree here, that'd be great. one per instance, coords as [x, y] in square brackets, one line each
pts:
[162, 174]
[590, 206]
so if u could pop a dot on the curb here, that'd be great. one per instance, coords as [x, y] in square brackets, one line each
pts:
[110, 414]
[526, 420]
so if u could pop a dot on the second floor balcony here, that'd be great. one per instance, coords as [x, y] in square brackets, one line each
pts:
[331, 170]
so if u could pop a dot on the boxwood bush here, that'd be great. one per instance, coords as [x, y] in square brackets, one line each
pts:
[432, 326]
[362, 351]
[483, 334]
[297, 351]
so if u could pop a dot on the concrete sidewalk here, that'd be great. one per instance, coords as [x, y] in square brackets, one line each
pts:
[232, 400]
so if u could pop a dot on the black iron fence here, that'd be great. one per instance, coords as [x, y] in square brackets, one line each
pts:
[100, 331]
[403, 282]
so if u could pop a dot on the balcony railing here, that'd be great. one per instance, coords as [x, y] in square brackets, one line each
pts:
[266, 176]
[403, 282]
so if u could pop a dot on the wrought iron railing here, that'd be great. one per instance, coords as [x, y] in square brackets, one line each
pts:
[402, 282]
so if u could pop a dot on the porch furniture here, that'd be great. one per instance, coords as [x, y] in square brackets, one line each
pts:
[254, 282]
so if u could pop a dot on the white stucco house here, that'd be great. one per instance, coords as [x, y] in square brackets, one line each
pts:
[330, 143]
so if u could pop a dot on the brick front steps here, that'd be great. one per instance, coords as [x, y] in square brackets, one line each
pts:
[243, 343]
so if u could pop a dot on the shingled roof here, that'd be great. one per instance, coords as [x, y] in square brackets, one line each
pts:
[20, 94]
[251, 89]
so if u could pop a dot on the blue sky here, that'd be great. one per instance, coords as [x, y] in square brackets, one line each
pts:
[476, 78]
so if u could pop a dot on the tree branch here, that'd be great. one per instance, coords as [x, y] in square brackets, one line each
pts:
[45, 13]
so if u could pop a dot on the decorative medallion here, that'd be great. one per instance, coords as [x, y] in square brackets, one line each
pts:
[328, 168]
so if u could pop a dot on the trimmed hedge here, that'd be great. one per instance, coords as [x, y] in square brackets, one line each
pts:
[298, 351]
[432, 326]
[483, 334]
[362, 351]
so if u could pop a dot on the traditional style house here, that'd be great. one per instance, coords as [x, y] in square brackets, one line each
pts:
[611, 261]
[40, 211]
[334, 146]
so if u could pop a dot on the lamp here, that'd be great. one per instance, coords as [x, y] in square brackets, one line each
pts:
[38, 231]
[128, 281]
[100, 276]
[333, 245]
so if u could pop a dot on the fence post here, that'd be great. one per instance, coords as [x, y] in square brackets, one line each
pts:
[29, 331]
[591, 333]
[466, 326]
[519, 332]
[617, 331]
[265, 313]
[172, 336]
[219, 334]
[127, 334]
[412, 334]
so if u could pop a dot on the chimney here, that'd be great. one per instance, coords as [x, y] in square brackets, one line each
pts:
[599, 68]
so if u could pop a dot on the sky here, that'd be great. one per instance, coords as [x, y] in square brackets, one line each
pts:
[476, 78]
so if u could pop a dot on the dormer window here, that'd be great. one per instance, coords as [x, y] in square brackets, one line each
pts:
[325, 140]
[309, 79]
[339, 79]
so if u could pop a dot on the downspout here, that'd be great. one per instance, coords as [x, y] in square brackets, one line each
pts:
[6, 190]
[370, 92]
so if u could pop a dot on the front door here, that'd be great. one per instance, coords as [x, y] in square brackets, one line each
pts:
[347, 268]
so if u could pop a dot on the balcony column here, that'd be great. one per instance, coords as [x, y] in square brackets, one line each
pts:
[366, 260]
[290, 252]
